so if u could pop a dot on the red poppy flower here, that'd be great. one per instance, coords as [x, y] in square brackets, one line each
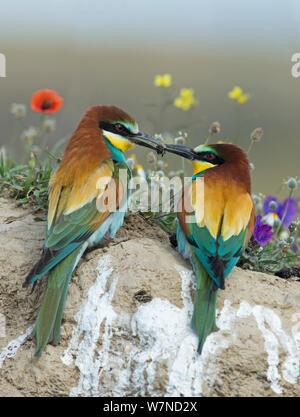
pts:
[46, 101]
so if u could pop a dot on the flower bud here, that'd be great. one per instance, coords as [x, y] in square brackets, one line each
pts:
[31, 163]
[285, 248]
[180, 140]
[215, 127]
[292, 183]
[292, 227]
[160, 164]
[273, 205]
[256, 135]
[151, 158]
[256, 198]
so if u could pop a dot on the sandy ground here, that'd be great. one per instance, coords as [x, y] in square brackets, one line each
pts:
[126, 323]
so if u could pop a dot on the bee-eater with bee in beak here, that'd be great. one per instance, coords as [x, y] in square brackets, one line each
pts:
[78, 216]
[214, 230]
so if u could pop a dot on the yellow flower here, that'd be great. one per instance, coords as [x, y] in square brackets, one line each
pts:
[163, 80]
[186, 99]
[187, 93]
[141, 172]
[243, 98]
[223, 141]
[237, 94]
[133, 156]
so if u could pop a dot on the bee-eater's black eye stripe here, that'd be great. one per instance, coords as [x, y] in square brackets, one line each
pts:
[111, 127]
[207, 156]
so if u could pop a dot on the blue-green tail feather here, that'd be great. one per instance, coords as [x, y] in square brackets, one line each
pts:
[48, 322]
[204, 314]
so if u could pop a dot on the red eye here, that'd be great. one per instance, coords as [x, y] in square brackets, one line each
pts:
[210, 156]
[119, 127]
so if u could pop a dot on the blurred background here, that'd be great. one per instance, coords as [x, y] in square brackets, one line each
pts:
[108, 52]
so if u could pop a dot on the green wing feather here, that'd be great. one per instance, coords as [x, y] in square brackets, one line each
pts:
[217, 256]
[66, 240]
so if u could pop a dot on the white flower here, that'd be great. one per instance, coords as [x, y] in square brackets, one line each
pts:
[271, 219]
[49, 125]
[18, 110]
[29, 135]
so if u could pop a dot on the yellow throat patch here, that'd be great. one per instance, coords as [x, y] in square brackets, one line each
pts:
[200, 166]
[118, 141]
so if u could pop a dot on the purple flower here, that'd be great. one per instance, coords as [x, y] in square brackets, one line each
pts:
[262, 232]
[291, 211]
[294, 248]
[281, 209]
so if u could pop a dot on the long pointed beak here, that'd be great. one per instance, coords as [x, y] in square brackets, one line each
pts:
[148, 141]
[183, 151]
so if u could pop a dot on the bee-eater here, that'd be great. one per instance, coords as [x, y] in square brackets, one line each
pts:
[78, 213]
[214, 230]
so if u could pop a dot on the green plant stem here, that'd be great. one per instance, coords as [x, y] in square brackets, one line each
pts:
[16, 132]
[238, 122]
[208, 139]
[250, 147]
[40, 129]
[26, 154]
[162, 109]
